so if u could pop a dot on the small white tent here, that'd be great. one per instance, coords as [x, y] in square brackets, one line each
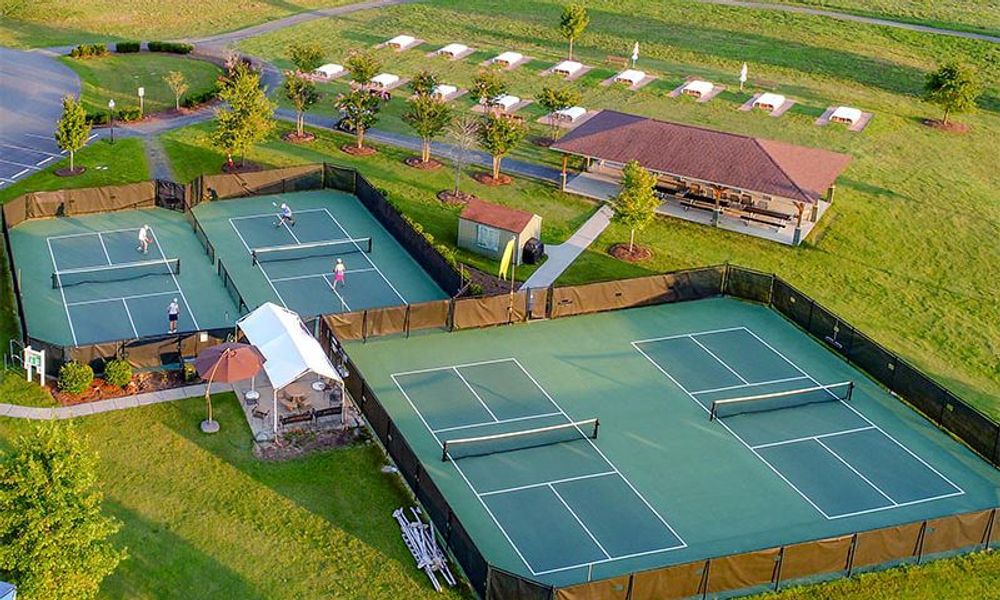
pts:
[846, 115]
[769, 101]
[698, 88]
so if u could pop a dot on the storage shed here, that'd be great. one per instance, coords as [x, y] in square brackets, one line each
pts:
[486, 228]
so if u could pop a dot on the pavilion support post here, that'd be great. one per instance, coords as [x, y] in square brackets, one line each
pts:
[829, 193]
[565, 164]
[274, 410]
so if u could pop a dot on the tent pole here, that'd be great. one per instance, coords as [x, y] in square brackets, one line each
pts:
[274, 409]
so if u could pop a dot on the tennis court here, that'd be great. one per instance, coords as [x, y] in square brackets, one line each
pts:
[585, 447]
[292, 264]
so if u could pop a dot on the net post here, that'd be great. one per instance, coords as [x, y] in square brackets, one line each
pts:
[55, 281]
[597, 426]
[253, 258]
[850, 390]
[444, 451]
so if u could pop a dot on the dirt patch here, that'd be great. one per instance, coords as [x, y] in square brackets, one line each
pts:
[542, 141]
[488, 179]
[293, 137]
[140, 384]
[67, 172]
[241, 167]
[416, 163]
[456, 199]
[353, 150]
[638, 253]
[489, 284]
[950, 127]
[296, 443]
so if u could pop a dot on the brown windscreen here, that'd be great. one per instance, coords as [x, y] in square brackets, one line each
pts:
[887, 545]
[347, 326]
[429, 315]
[669, 583]
[610, 295]
[83, 201]
[272, 181]
[47, 204]
[956, 532]
[489, 310]
[539, 300]
[815, 558]
[740, 571]
[615, 588]
[16, 211]
[386, 321]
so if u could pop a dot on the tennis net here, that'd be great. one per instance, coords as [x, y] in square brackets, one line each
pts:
[519, 440]
[118, 272]
[779, 400]
[311, 250]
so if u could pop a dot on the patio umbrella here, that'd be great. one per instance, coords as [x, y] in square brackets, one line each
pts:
[228, 363]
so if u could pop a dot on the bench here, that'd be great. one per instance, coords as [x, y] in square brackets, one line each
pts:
[333, 411]
[618, 61]
[302, 417]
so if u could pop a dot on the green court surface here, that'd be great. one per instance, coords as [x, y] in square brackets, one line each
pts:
[298, 275]
[107, 290]
[661, 483]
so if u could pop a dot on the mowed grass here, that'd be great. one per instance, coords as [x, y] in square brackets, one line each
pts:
[978, 16]
[202, 516]
[42, 23]
[908, 252]
[119, 77]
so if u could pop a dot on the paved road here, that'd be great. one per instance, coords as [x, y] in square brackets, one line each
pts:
[857, 19]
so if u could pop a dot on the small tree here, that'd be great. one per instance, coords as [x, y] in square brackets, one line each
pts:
[429, 118]
[573, 23]
[954, 87]
[423, 83]
[488, 84]
[178, 84]
[249, 117]
[464, 134]
[72, 129]
[635, 205]
[498, 135]
[360, 109]
[363, 65]
[302, 93]
[53, 537]
[306, 57]
[553, 99]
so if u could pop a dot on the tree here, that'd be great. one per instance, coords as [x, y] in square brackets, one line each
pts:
[363, 65]
[360, 108]
[249, 116]
[178, 84]
[72, 129]
[429, 118]
[53, 537]
[301, 92]
[954, 87]
[463, 133]
[498, 134]
[488, 84]
[553, 99]
[573, 23]
[306, 57]
[423, 83]
[636, 204]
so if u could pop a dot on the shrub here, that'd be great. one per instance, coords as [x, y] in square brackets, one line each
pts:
[128, 113]
[97, 118]
[75, 378]
[118, 373]
[475, 289]
[126, 47]
[89, 50]
[192, 100]
[171, 47]
[190, 373]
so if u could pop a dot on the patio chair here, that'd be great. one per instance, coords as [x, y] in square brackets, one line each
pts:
[260, 414]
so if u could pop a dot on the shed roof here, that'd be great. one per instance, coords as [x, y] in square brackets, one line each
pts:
[495, 215]
[738, 161]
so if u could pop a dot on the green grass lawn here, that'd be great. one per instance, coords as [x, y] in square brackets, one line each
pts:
[42, 23]
[119, 76]
[908, 251]
[982, 16]
[203, 517]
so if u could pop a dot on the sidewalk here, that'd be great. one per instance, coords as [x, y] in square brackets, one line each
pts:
[561, 256]
[15, 411]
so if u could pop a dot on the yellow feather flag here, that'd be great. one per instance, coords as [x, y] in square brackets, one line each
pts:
[508, 255]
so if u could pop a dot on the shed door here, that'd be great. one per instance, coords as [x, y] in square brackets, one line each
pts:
[487, 237]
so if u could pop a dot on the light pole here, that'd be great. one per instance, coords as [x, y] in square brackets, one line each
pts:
[111, 118]
[142, 93]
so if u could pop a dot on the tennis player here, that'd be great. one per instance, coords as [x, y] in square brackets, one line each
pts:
[173, 312]
[285, 216]
[338, 274]
[145, 237]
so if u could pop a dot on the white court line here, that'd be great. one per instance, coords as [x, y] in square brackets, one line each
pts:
[62, 292]
[721, 362]
[863, 417]
[743, 385]
[272, 215]
[899, 505]
[115, 298]
[104, 247]
[86, 233]
[129, 314]
[333, 288]
[461, 366]
[546, 483]
[163, 255]
[486, 423]
[686, 335]
[294, 277]
[365, 254]
[812, 437]
[259, 267]
[475, 393]
[580, 521]
[856, 472]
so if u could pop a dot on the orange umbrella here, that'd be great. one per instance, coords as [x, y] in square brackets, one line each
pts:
[228, 363]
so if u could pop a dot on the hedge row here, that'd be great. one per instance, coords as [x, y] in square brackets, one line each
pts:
[128, 113]
[171, 47]
[127, 47]
[89, 50]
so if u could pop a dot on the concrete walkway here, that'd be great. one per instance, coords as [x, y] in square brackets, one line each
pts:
[14, 411]
[561, 256]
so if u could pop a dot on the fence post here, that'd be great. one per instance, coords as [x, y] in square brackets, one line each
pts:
[705, 574]
[364, 326]
[920, 541]
[851, 551]
[989, 528]
[406, 321]
[777, 568]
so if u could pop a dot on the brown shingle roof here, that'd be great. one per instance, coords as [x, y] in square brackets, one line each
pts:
[494, 215]
[729, 159]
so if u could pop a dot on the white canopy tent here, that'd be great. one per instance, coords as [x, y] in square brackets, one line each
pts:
[846, 114]
[508, 59]
[384, 80]
[442, 91]
[630, 76]
[570, 114]
[698, 88]
[453, 50]
[769, 101]
[329, 70]
[401, 41]
[290, 351]
[506, 102]
[567, 67]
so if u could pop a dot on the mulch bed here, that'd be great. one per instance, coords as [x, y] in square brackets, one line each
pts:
[141, 383]
[951, 127]
[416, 163]
[638, 253]
[353, 150]
[67, 172]
[459, 199]
[491, 284]
[245, 167]
[297, 443]
[488, 179]
[293, 137]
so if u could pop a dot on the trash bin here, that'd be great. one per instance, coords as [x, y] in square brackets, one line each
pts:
[533, 251]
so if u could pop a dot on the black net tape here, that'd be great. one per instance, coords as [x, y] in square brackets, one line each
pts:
[507, 586]
[874, 360]
[339, 178]
[792, 303]
[475, 566]
[749, 285]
